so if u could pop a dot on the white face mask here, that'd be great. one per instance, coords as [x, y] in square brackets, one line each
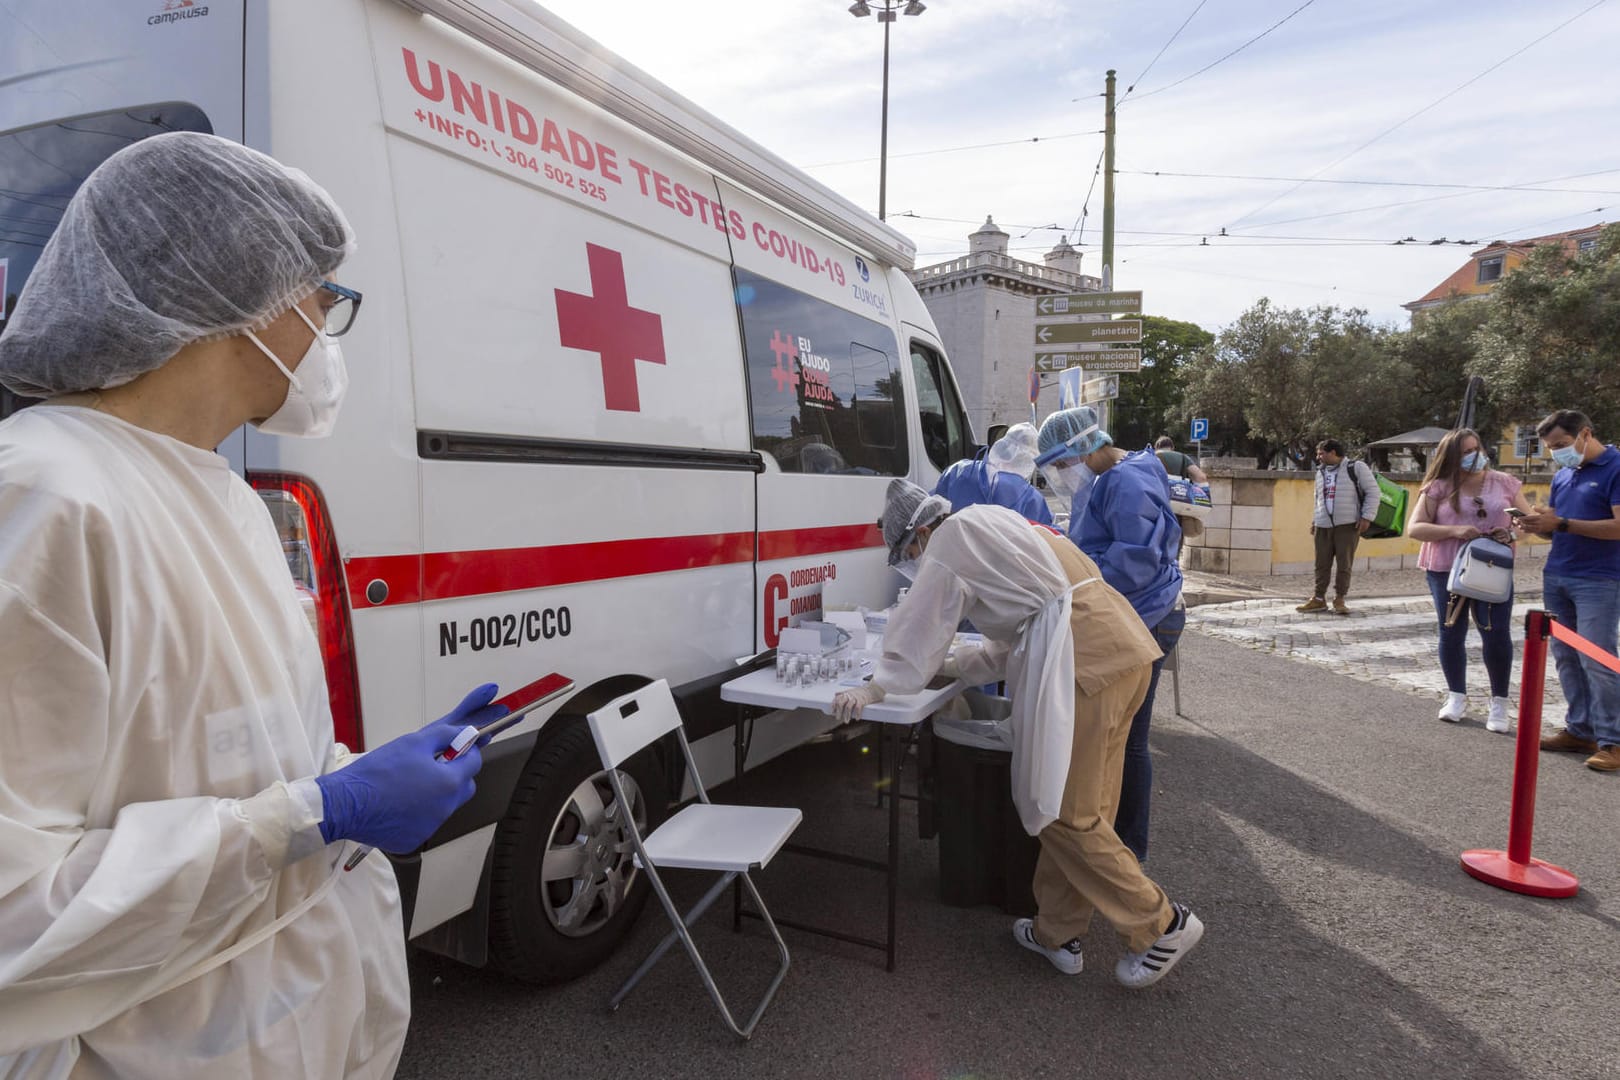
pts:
[314, 394]
[907, 569]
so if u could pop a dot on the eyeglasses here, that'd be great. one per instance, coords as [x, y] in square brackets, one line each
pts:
[1479, 507]
[340, 316]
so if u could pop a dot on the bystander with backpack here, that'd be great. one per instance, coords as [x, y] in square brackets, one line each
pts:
[1346, 502]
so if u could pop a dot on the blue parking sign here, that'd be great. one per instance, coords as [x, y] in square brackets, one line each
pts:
[1200, 429]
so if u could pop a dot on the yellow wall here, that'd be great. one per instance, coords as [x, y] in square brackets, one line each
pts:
[1505, 446]
[1293, 502]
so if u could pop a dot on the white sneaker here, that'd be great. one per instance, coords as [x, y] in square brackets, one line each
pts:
[1455, 708]
[1499, 719]
[1066, 958]
[1139, 970]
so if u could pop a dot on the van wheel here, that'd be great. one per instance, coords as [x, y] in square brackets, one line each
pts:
[564, 887]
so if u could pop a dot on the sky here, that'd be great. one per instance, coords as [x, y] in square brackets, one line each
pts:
[1393, 93]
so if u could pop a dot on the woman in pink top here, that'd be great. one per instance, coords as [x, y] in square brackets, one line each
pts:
[1462, 498]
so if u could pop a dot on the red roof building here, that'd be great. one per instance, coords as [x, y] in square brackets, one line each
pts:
[1479, 275]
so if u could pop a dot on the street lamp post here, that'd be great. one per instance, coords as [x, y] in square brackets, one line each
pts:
[886, 15]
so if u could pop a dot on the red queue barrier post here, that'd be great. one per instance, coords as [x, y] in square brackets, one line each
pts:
[1514, 869]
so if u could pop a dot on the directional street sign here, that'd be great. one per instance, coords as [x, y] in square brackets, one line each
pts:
[1108, 332]
[1097, 360]
[1090, 303]
[1099, 389]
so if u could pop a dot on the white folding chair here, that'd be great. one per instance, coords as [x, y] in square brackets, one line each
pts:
[729, 840]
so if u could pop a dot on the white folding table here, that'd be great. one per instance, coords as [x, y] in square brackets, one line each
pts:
[895, 714]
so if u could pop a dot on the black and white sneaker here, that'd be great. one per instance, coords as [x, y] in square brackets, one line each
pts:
[1066, 958]
[1143, 969]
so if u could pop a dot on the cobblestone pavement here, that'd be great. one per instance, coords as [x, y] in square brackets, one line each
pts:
[1385, 640]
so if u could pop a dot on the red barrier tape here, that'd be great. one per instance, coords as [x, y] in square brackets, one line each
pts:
[1580, 644]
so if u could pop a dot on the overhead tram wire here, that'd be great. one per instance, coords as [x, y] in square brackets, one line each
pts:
[1160, 53]
[1437, 101]
[1228, 56]
[1527, 189]
[955, 149]
[1377, 183]
[1188, 234]
[1495, 234]
[1078, 232]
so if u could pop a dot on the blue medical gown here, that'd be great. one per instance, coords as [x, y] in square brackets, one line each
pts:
[1127, 528]
[971, 483]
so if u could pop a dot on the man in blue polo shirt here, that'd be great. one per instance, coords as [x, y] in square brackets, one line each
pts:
[1581, 582]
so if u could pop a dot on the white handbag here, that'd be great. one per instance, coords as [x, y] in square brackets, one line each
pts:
[1483, 571]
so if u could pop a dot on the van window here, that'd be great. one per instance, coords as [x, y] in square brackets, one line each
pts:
[823, 383]
[945, 432]
[40, 169]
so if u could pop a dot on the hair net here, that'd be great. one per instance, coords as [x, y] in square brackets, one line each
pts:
[178, 238]
[1015, 451]
[1075, 432]
[908, 508]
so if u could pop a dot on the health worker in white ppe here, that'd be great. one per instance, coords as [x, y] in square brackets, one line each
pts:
[999, 475]
[174, 813]
[1077, 661]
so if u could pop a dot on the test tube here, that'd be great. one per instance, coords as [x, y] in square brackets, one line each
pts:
[781, 667]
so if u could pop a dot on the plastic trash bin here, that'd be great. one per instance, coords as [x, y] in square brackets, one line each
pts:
[985, 857]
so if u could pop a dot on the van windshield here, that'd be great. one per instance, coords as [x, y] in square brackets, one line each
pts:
[40, 169]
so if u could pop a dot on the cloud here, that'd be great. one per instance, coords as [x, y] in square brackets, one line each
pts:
[804, 79]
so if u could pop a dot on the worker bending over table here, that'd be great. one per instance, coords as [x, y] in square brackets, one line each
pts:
[1077, 662]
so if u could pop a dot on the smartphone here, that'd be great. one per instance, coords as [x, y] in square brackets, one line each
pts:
[1515, 512]
[522, 702]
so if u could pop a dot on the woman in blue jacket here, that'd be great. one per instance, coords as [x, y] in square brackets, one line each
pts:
[1120, 516]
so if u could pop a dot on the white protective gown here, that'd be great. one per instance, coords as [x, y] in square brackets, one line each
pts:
[162, 710]
[989, 565]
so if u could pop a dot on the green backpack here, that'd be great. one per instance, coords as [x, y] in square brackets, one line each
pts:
[1390, 517]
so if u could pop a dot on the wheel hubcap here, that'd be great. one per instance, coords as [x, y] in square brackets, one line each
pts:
[589, 864]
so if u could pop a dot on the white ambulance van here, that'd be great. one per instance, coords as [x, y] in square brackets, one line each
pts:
[626, 391]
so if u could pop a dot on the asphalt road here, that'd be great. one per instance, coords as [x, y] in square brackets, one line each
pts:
[1313, 822]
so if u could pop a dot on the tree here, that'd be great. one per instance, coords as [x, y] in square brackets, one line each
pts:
[1437, 356]
[1278, 380]
[1150, 401]
[1551, 338]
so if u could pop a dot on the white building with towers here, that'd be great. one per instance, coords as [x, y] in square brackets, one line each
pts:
[984, 306]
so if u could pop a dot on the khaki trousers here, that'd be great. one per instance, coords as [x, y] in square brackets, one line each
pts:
[1335, 544]
[1084, 867]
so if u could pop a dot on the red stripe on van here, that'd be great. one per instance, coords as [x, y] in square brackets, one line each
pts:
[444, 575]
[793, 543]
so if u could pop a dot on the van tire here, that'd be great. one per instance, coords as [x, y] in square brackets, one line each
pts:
[525, 938]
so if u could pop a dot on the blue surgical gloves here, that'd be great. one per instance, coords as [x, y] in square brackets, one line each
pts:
[396, 796]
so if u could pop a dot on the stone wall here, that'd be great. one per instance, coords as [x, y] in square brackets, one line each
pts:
[1260, 524]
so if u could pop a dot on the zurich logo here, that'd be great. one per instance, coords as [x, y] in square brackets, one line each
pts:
[860, 265]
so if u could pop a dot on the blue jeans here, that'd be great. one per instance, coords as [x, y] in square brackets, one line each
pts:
[1591, 608]
[1498, 640]
[1136, 787]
